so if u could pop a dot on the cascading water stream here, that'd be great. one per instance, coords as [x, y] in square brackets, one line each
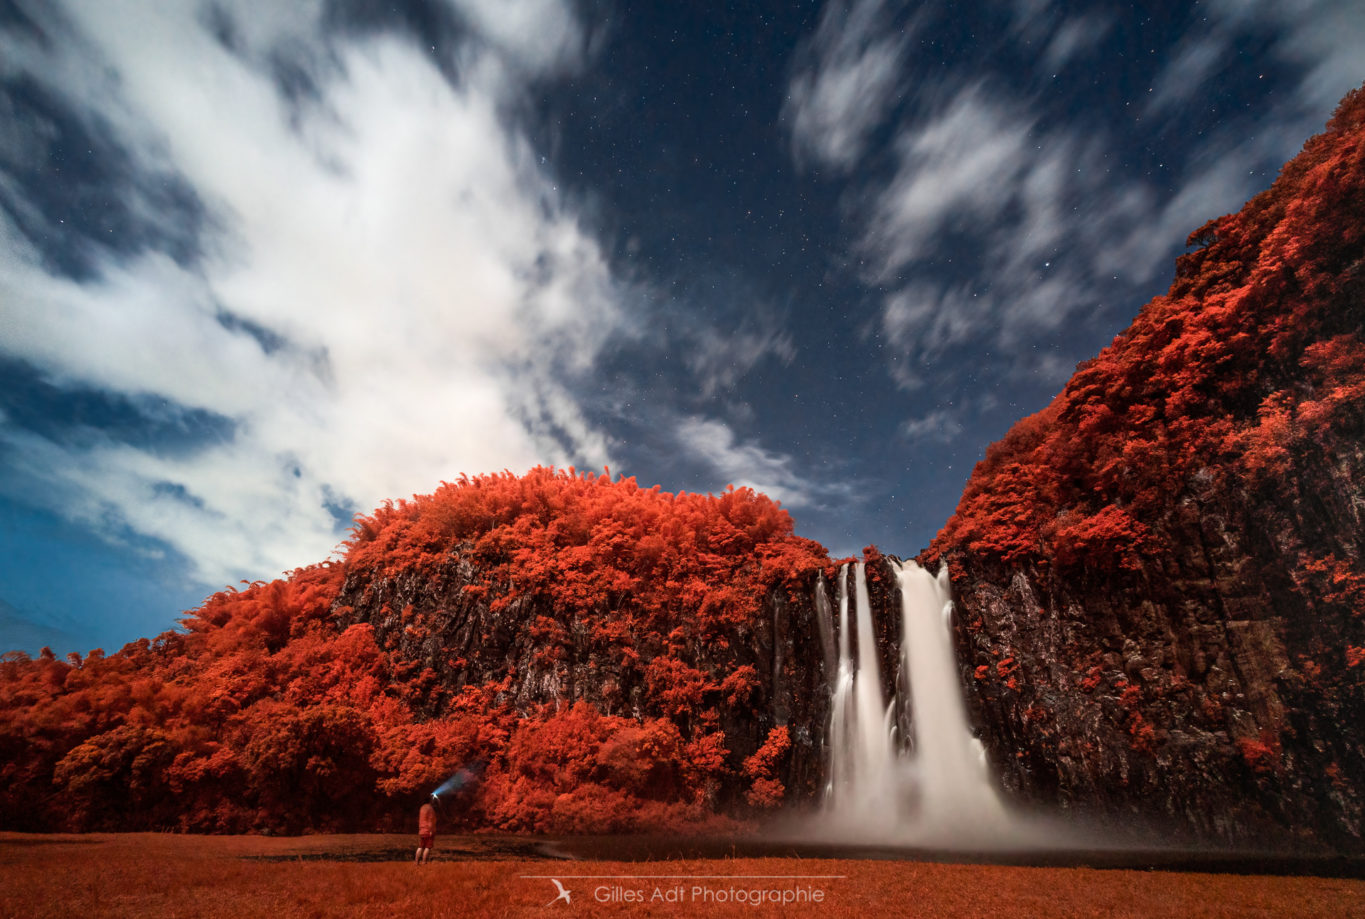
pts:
[955, 786]
[937, 791]
[862, 759]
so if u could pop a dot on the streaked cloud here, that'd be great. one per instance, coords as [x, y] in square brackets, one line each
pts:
[1324, 39]
[939, 425]
[923, 320]
[538, 36]
[846, 78]
[720, 358]
[387, 289]
[957, 170]
[1073, 37]
[746, 463]
[1183, 79]
[1003, 225]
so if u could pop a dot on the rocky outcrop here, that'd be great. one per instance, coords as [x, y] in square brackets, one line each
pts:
[457, 636]
[1159, 578]
[718, 642]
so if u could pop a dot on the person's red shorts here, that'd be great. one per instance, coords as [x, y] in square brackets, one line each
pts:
[426, 840]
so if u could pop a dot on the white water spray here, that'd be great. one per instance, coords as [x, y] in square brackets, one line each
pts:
[940, 793]
[862, 758]
[956, 789]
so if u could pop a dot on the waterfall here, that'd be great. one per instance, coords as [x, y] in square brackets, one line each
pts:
[956, 789]
[862, 758]
[936, 791]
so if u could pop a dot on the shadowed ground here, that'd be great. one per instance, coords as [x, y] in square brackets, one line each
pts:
[156, 875]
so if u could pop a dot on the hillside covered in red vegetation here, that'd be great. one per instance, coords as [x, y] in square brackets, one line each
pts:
[584, 653]
[1160, 575]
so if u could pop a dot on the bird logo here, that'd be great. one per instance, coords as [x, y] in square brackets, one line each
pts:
[563, 894]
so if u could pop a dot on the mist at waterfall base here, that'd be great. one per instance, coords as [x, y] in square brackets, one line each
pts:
[908, 771]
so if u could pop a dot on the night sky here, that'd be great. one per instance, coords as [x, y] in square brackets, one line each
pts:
[264, 265]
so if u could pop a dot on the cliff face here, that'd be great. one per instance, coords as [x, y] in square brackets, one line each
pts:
[550, 591]
[1159, 577]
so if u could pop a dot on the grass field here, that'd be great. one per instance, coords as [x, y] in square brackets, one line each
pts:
[162, 875]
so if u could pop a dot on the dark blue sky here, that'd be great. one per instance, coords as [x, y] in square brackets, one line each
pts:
[265, 265]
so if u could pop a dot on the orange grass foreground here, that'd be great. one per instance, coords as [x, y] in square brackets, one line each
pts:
[162, 875]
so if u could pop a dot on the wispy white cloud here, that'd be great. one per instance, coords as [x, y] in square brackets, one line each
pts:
[981, 169]
[1073, 37]
[748, 464]
[391, 290]
[720, 358]
[1184, 78]
[1053, 229]
[848, 75]
[1038, 211]
[923, 320]
[1324, 38]
[538, 36]
[940, 425]
[956, 171]
[1218, 183]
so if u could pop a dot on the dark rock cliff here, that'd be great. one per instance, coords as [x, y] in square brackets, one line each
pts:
[729, 650]
[465, 642]
[1159, 578]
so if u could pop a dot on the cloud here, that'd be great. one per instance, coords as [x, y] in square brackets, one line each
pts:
[720, 358]
[387, 289]
[923, 320]
[747, 464]
[956, 171]
[1003, 226]
[1183, 79]
[1073, 37]
[541, 36]
[1325, 39]
[1219, 184]
[1019, 222]
[847, 77]
[939, 425]
[980, 181]
[1035, 216]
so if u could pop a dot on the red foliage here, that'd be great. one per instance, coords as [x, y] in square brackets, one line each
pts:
[275, 709]
[762, 769]
[1111, 536]
[1143, 734]
[580, 771]
[1131, 697]
[1261, 753]
[1255, 351]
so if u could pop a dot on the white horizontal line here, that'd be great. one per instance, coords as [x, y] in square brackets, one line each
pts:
[694, 877]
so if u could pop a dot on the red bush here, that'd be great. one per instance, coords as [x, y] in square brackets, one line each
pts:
[762, 769]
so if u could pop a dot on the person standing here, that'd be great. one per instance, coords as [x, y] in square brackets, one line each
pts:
[426, 830]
